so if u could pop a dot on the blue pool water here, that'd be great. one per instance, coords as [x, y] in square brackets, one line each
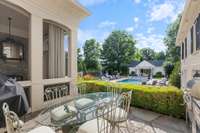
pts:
[131, 81]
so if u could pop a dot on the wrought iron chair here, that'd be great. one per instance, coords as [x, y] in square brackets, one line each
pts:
[118, 114]
[189, 109]
[82, 101]
[98, 125]
[82, 88]
[110, 116]
[14, 124]
[114, 89]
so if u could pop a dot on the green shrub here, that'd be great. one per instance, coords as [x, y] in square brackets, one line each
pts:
[175, 77]
[158, 75]
[166, 100]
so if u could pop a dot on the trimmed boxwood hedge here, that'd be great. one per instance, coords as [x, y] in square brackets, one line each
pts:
[166, 100]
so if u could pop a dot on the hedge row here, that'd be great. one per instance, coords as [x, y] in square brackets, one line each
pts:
[165, 100]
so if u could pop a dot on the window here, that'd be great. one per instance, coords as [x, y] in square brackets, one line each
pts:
[192, 39]
[55, 50]
[198, 33]
[182, 51]
[185, 47]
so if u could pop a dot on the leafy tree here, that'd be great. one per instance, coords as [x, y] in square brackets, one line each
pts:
[81, 64]
[147, 54]
[92, 55]
[175, 77]
[137, 55]
[168, 67]
[118, 51]
[173, 52]
[160, 56]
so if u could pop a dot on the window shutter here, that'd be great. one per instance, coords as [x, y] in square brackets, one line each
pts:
[185, 47]
[192, 39]
[182, 49]
[188, 43]
[198, 33]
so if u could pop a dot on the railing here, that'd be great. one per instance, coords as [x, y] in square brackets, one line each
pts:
[56, 91]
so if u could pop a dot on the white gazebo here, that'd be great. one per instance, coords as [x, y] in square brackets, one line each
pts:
[146, 68]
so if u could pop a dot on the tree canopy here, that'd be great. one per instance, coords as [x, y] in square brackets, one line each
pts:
[160, 55]
[118, 51]
[92, 55]
[80, 60]
[173, 52]
[147, 54]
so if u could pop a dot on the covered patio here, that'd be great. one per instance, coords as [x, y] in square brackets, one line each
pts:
[141, 121]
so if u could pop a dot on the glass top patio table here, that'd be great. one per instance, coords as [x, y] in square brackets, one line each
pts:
[83, 114]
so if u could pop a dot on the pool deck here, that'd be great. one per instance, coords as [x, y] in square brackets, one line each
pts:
[117, 80]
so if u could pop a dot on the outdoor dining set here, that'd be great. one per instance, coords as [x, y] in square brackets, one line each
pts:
[99, 112]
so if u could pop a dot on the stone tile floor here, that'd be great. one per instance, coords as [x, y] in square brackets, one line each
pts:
[141, 121]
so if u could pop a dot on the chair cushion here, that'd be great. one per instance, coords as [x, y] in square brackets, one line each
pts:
[91, 126]
[195, 91]
[116, 115]
[18, 124]
[42, 129]
[61, 113]
[83, 102]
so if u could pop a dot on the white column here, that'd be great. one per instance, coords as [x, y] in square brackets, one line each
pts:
[36, 53]
[72, 61]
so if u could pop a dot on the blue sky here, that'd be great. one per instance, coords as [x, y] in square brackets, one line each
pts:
[146, 20]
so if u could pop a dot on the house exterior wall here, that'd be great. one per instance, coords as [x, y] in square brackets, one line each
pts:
[191, 62]
[66, 13]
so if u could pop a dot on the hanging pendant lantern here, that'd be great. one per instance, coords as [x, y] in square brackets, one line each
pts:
[11, 49]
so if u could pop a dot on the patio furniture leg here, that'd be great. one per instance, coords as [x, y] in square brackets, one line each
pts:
[186, 116]
[127, 127]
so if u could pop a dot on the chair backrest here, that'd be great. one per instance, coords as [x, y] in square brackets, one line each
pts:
[11, 119]
[5, 108]
[187, 100]
[125, 101]
[82, 89]
[114, 89]
[102, 112]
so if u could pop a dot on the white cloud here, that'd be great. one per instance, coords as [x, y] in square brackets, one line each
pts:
[91, 2]
[151, 41]
[84, 35]
[150, 30]
[136, 19]
[169, 10]
[129, 29]
[106, 24]
[137, 1]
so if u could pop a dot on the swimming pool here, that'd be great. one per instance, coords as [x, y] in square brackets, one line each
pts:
[131, 81]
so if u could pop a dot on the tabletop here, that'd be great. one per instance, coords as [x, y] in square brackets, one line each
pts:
[81, 108]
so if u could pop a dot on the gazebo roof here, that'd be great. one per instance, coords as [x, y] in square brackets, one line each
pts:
[150, 63]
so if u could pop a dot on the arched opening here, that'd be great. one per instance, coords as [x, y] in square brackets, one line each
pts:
[56, 40]
[14, 42]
